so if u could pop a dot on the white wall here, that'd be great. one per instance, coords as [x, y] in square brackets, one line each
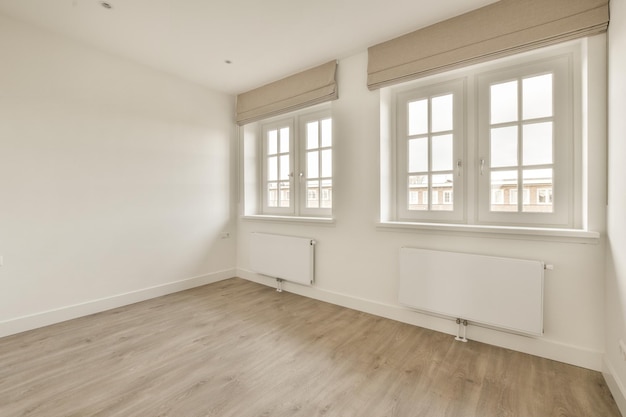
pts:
[615, 365]
[115, 180]
[357, 262]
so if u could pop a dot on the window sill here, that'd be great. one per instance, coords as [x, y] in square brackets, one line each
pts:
[527, 233]
[290, 219]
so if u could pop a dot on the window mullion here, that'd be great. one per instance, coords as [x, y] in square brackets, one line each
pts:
[520, 145]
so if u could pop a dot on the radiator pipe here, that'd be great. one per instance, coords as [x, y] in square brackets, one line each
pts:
[463, 324]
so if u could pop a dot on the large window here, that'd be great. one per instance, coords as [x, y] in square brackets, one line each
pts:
[297, 165]
[526, 141]
[467, 144]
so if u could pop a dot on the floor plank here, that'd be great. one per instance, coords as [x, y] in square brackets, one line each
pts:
[236, 348]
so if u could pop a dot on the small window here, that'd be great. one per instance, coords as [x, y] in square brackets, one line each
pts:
[296, 160]
[544, 197]
[317, 173]
[278, 166]
[497, 197]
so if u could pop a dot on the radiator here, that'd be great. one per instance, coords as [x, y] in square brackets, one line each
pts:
[283, 257]
[497, 292]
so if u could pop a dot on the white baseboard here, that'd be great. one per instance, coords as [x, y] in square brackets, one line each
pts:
[45, 318]
[542, 347]
[615, 385]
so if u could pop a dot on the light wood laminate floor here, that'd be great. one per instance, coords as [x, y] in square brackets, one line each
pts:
[236, 348]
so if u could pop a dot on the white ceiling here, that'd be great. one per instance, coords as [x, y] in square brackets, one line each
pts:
[265, 39]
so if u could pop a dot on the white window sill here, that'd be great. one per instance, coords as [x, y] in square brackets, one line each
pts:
[292, 219]
[527, 233]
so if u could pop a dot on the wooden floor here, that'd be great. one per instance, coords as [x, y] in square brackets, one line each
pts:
[240, 349]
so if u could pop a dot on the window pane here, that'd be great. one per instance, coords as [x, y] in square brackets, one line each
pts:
[312, 133]
[312, 164]
[441, 186]
[538, 183]
[326, 200]
[312, 194]
[504, 147]
[272, 194]
[442, 153]
[418, 155]
[418, 117]
[272, 142]
[418, 184]
[284, 167]
[284, 194]
[504, 102]
[327, 132]
[537, 143]
[327, 163]
[537, 97]
[272, 168]
[442, 113]
[284, 140]
[503, 191]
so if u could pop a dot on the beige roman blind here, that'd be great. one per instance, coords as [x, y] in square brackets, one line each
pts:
[313, 86]
[499, 29]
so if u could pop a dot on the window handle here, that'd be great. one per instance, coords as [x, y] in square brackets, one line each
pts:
[482, 166]
[301, 176]
[459, 164]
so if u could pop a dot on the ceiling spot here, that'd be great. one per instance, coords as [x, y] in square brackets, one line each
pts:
[106, 5]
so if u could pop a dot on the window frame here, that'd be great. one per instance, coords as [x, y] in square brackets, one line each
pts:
[563, 181]
[474, 190]
[296, 121]
[403, 97]
[264, 192]
[302, 120]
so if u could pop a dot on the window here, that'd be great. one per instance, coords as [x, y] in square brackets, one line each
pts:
[470, 141]
[525, 125]
[544, 197]
[296, 164]
[497, 197]
[318, 161]
[513, 196]
[430, 145]
[278, 165]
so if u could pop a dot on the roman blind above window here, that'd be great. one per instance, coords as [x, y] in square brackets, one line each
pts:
[313, 86]
[499, 29]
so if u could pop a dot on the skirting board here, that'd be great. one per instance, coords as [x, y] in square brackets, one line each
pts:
[46, 318]
[616, 386]
[542, 347]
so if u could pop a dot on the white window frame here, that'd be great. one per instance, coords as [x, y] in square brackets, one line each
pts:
[475, 198]
[256, 156]
[562, 66]
[402, 98]
[302, 178]
[265, 129]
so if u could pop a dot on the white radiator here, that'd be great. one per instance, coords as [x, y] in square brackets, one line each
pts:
[504, 293]
[284, 257]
